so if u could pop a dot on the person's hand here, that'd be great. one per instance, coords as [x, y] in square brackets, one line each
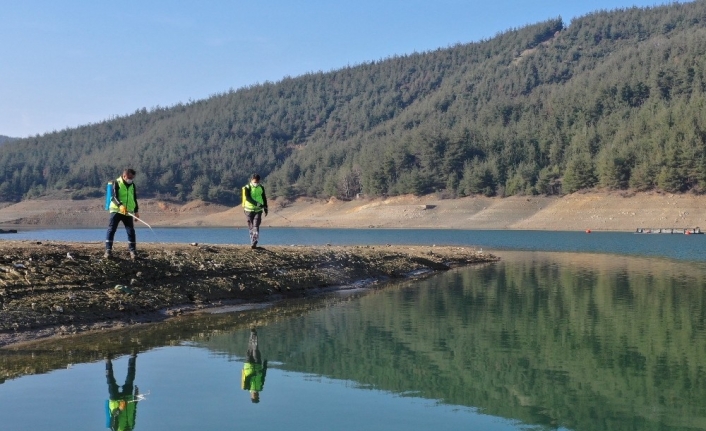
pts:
[122, 210]
[265, 211]
[137, 215]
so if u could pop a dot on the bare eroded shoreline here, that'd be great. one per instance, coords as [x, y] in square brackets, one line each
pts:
[598, 211]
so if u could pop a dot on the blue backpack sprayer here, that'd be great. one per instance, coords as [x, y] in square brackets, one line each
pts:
[108, 194]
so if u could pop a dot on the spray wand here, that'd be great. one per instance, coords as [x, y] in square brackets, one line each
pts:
[140, 220]
[282, 216]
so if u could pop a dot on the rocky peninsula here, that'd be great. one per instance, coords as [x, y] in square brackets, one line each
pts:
[60, 288]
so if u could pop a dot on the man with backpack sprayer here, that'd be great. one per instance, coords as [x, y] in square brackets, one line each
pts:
[123, 205]
[121, 407]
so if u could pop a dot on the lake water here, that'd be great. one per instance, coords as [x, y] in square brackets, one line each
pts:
[683, 247]
[614, 340]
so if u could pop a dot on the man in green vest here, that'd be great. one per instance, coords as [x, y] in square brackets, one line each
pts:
[123, 205]
[254, 204]
[254, 369]
[121, 407]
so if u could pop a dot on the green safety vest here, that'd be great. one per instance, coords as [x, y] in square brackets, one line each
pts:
[253, 376]
[125, 194]
[122, 420]
[256, 194]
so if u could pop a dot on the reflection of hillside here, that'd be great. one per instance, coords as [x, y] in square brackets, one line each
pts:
[47, 355]
[585, 342]
[608, 263]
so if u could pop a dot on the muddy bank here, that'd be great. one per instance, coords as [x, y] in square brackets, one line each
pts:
[49, 288]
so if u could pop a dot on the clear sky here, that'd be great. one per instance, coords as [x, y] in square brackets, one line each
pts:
[72, 62]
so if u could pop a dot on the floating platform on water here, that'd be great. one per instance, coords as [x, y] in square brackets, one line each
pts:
[671, 230]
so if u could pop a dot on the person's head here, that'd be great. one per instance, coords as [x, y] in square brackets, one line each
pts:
[128, 175]
[255, 396]
[255, 179]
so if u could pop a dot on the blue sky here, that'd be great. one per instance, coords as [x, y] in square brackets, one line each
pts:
[69, 63]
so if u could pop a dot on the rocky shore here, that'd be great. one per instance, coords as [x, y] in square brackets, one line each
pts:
[57, 288]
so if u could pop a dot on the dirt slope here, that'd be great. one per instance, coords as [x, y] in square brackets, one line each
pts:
[579, 211]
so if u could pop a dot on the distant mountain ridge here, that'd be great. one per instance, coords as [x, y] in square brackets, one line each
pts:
[614, 100]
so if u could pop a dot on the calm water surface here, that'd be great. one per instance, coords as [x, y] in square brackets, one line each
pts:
[684, 247]
[539, 340]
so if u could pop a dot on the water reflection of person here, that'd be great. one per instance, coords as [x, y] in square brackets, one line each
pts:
[121, 407]
[254, 369]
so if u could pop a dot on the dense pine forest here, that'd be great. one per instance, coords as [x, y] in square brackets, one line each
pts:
[4, 139]
[614, 99]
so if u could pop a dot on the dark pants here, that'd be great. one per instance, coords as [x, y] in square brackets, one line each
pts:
[253, 353]
[254, 219]
[128, 222]
[128, 387]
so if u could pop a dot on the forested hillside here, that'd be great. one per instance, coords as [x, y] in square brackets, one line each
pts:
[4, 139]
[615, 99]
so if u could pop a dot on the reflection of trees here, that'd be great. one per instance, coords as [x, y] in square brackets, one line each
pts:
[47, 355]
[542, 339]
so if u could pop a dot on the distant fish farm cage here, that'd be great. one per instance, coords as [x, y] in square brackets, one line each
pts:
[671, 230]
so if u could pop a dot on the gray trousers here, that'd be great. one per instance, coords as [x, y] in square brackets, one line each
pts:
[254, 218]
[253, 353]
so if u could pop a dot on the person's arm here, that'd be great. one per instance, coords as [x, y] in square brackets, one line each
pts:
[264, 372]
[132, 415]
[264, 198]
[115, 199]
[137, 207]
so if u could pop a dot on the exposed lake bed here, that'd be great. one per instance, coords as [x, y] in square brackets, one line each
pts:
[599, 211]
[60, 288]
